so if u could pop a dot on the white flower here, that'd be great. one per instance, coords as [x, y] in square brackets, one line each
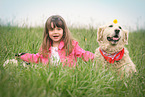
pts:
[11, 61]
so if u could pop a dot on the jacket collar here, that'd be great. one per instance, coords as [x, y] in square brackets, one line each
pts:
[61, 45]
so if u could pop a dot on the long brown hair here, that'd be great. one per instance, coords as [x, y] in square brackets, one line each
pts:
[57, 21]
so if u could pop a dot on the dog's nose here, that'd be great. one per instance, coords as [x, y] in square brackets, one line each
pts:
[117, 31]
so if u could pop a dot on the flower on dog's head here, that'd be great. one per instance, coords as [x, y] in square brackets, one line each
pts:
[115, 21]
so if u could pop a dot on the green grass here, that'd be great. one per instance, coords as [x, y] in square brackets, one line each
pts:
[50, 81]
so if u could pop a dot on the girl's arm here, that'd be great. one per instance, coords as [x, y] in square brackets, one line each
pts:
[31, 58]
[85, 55]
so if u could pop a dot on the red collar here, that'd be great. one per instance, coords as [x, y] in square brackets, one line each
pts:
[112, 57]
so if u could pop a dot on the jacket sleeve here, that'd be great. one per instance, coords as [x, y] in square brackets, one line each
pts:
[85, 55]
[31, 58]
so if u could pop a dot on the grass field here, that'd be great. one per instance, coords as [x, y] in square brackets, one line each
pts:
[50, 81]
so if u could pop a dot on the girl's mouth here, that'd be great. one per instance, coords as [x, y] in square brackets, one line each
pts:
[56, 36]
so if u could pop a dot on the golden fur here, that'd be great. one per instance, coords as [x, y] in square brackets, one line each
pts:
[111, 39]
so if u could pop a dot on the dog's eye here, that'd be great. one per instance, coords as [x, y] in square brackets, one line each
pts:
[120, 27]
[111, 26]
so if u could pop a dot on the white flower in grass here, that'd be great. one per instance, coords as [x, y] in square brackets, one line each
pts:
[11, 61]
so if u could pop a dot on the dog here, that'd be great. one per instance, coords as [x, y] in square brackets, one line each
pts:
[111, 51]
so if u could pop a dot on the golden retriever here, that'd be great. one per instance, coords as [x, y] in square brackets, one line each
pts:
[111, 50]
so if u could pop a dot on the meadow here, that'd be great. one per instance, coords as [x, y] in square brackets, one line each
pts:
[50, 81]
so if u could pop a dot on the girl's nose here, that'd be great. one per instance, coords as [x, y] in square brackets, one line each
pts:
[55, 31]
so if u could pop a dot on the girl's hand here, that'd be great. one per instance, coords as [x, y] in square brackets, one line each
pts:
[18, 55]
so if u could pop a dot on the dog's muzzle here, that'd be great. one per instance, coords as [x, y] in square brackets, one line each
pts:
[115, 38]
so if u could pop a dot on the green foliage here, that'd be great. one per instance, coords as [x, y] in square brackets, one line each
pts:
[37, 80]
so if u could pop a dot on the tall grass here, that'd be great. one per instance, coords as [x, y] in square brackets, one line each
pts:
[50, 81]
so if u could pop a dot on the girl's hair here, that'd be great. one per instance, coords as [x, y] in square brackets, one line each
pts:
[56, 21]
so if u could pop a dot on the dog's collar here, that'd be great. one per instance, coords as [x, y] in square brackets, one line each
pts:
[112, 57]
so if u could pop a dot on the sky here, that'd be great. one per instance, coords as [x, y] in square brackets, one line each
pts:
[77, 13]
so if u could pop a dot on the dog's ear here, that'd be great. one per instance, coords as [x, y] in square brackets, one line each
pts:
[125, 37]
[100, 34]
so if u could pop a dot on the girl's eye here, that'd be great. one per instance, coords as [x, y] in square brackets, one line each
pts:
[120, 27]
[111, 26]
[59, 29]
[51, 29]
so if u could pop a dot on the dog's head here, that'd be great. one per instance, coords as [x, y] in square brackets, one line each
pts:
[112, 38]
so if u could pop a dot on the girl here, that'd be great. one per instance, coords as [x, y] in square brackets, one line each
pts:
[57, 46]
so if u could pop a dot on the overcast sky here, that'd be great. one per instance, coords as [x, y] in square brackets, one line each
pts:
[78, 13]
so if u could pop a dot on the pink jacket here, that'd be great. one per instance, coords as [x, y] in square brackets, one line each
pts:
[69, 60]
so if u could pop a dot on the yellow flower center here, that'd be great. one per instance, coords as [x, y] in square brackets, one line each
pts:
[115, 21]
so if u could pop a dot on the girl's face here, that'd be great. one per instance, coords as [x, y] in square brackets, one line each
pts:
[56, 34]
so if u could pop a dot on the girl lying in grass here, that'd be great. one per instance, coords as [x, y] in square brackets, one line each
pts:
[57, 46]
